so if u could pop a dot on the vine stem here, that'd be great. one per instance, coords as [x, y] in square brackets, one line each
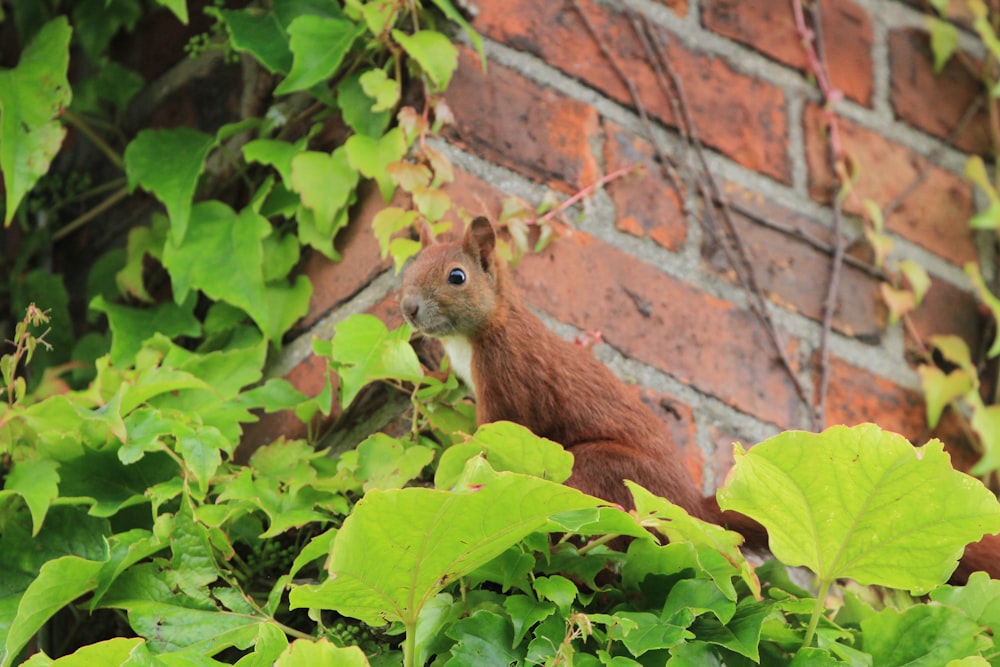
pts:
[587, 191]
[817, 613]
[410, 645]
[80, 221]
[80, 124]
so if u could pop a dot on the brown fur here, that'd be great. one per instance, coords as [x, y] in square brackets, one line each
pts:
[525, 373]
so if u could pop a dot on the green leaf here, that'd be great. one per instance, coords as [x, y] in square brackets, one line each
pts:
[325, 182]
[941, 390]
[741, 634]
[318, 46]
[34, 94]
[525, 612]
[178, 7]
[365, 350]
[436, 55]
[643, 632]
[484, 638]
[168, 163]
[261, 35]
[384, 463]
[992, 302]
[427, 539]
[862, 503]
[141, 242]
[917, 276]
[979, 599]
[58, 583]
[988, 218]
[921, 636]
[131, 327]
[275, 153]
[356, 108]
[37, 481]
[506, 446]
[372, 156]
[557, 589]
[986, 424]
[222, 256]
[320, 653]
[975, 170]
[452, 14]
[378, 86]
[116, 652]
[944, 41]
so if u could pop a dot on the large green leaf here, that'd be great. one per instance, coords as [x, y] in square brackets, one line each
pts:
[364, 350]
[424, 539]
[325, 182]
[131, 327]
[32, 95]
[115, 652]
[260, 34]
[433, 51]
[318, 46]
[168, 164]
[306, 653]
[863, 503]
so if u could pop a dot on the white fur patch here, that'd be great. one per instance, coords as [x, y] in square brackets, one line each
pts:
[459, 351]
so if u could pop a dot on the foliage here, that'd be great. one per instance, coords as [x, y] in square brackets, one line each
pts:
[124, 515]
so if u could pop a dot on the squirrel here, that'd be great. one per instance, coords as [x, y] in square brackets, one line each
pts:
[462, 294]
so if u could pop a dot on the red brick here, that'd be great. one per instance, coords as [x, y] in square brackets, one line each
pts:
[933, 215]
[336, 282]
[646, 204]
[769, 27]
[935, 103]
[857, 396]
[659, 320]
[510, 120]
[739, 115]
[795, 274]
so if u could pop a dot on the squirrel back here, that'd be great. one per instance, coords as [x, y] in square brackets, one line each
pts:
[522, 372]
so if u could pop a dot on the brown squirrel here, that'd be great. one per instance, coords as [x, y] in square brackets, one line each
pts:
[520, 371]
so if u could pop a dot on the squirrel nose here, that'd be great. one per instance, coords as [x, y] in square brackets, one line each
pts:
[410, 307]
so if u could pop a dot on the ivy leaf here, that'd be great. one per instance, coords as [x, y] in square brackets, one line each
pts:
[356, 108]
[917, 276]
[318, 46]
[372, 156]
[921, 636]
[992, 302]
[35, 93]
[59, 582]
[116, 652]
[275, 153]
[742, 633]
[986, 424]
[308, 653]
[862, 503]
[178, 7]
[940, 390]
[426, 539]
[130, 327]
[506, 446]
[557, 589]
[434, 52]
[325, 182]
[37, 482]
[261, 35]
[642, 632]
[484, 638]
[381, 88]
[944, 41]
[168, 164]
[97, 21]
[384, 463]
[364, 350]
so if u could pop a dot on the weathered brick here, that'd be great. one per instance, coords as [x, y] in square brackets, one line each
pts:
[508, 119]
[680, 7]
[741, 116]
[933, 215]
[646, 204]
[769, 27]
[935, 103]
[659, 320]
[856, 396]
[336, 282]
[794, 273]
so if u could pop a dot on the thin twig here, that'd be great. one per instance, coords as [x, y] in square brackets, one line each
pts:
[732, 245]
[586, 192]
[80, 124]
[113, 199]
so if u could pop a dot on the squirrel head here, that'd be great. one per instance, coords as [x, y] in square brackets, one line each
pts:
[454, 289]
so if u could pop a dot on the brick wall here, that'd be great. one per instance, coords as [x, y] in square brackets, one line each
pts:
[551, 114]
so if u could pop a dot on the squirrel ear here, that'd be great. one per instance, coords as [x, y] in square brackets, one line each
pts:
[426, 235]
[480, 241]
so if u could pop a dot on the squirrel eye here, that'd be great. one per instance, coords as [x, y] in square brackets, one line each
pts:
[456, 277]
